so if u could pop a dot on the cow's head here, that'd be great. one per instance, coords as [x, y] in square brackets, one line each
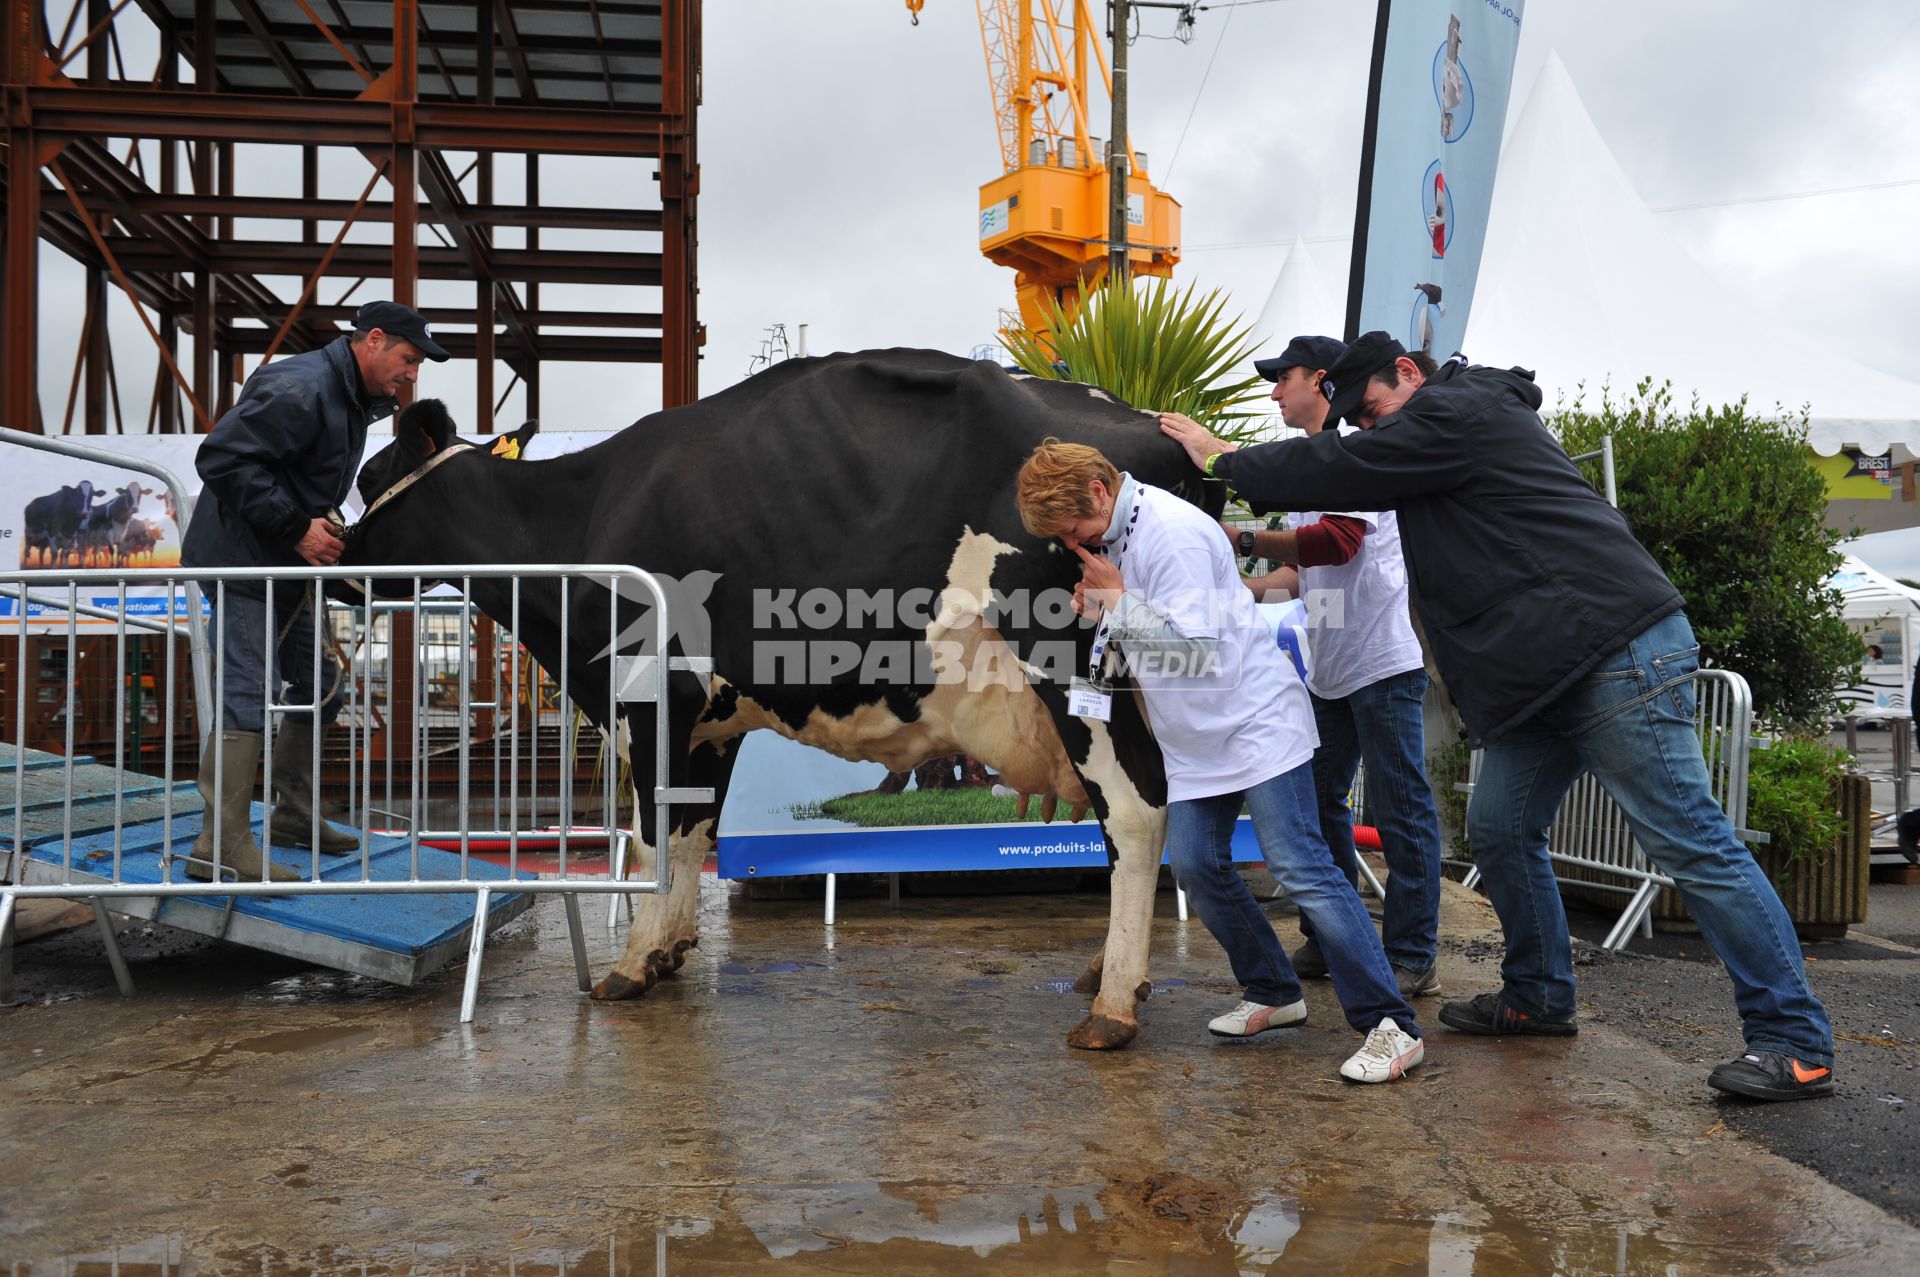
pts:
[394, 481]
[424, 432]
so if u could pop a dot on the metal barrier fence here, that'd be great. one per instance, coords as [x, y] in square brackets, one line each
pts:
[1590, 841]
[107, 834]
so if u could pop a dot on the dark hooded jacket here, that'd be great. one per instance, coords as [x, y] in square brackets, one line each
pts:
[282, 456]
[1523, 576]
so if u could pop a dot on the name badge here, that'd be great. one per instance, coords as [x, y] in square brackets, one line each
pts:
[1087, 698]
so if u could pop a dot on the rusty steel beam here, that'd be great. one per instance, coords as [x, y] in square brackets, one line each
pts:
[120, 274]
[443, 192]
[509, 32]
[461, 345]
[20, 59]
[449, 315]
[366, 76]
[679, 177]
[273, 257]
[276, 50]
[447, 39]
[231, 117]
[319, 270]
[271, 208]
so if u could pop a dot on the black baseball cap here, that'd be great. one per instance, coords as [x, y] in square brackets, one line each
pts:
[1345, 383]
[396, 320]
[1302, 352]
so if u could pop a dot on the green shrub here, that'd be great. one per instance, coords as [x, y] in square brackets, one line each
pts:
[1791, 795]
[1157, 349]
[1726, 502]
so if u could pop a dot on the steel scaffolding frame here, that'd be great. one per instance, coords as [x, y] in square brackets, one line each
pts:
[617, 78]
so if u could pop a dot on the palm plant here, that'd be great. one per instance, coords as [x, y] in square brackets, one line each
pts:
[1155, 347]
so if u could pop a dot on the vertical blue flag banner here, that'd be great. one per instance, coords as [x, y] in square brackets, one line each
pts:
[1436, 109]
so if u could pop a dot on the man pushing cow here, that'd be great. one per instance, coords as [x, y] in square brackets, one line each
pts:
[1566, 650]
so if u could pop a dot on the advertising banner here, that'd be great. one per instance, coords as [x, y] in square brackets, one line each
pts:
[62, 512]
[1436, 108]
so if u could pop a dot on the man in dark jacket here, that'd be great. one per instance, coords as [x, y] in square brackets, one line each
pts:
[1566, 650]
[274, 470]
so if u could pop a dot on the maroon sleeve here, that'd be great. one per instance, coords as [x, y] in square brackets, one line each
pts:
[1329, 543]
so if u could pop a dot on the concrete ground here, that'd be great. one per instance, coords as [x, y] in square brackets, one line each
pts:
[1671, 992]
[892, 1095]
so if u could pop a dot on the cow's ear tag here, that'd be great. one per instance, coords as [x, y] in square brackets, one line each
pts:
[507, 446]
[1090, 698]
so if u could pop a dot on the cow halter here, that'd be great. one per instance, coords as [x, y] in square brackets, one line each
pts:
[406, 481]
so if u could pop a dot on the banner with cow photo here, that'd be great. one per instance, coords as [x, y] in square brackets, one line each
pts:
[1436, 110]
[60, 512]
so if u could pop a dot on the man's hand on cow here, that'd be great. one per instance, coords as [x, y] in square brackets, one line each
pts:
[319, 546]
[1192, 436]
[1100, 584]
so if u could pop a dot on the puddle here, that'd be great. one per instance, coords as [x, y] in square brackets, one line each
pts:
[1160, 1223]
[295, 1040]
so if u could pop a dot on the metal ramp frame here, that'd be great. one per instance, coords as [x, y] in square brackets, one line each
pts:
[398, 938]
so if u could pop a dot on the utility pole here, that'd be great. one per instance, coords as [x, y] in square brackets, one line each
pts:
[1117, 149]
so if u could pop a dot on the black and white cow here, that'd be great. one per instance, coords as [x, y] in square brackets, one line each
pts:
[53, 522]
[117, 518]
[883, 474]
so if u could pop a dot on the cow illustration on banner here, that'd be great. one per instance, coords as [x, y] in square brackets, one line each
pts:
[1437, 104]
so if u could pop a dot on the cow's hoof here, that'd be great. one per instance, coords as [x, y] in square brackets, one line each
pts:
[661, 964]
[618, 988]
[1100, 1033]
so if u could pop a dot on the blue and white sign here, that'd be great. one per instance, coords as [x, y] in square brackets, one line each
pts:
[1442, 76]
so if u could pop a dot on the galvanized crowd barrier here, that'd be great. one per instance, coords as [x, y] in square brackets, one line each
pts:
[1590, 842]
[117, 831]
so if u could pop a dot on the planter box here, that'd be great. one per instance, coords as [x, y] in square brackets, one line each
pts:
[1823, 898]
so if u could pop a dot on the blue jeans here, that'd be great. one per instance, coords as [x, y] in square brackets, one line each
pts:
[261, 654]
[1380, 725]
[1631, 723]
[1199, 843]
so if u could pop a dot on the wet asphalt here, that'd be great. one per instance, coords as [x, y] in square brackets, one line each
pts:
[894, 1095]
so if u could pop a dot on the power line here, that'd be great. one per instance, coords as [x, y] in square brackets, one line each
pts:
[1207, 75]
[1789, 195]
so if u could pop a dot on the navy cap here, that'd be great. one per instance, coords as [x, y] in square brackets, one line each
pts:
[1302, 352]
[1345, 384]
[396, 320]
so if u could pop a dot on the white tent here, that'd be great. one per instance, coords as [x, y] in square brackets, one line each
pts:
[1886, 615]
[1582, 283]
[1303, 300]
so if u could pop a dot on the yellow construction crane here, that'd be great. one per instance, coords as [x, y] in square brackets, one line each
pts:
[1046, 214]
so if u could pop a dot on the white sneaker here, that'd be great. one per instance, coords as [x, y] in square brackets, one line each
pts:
[1250, 1018]
[1387, 1054]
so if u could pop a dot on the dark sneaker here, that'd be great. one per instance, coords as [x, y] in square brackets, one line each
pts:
[1769, 1075]
[1308, 963]
[1493, 1015]
[1417, 984]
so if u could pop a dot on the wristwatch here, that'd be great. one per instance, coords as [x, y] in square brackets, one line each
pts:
[1245, 541]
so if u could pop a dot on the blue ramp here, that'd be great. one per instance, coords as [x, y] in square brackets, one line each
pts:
[399, 938]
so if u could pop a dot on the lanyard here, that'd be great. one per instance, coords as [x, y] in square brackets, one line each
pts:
[1116, 555]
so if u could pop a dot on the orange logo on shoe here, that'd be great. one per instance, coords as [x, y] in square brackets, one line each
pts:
[1803, 1074]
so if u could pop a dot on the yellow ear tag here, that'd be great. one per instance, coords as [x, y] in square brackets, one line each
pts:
[507, 447]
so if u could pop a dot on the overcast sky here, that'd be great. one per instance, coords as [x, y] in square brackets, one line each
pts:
[842, 150]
